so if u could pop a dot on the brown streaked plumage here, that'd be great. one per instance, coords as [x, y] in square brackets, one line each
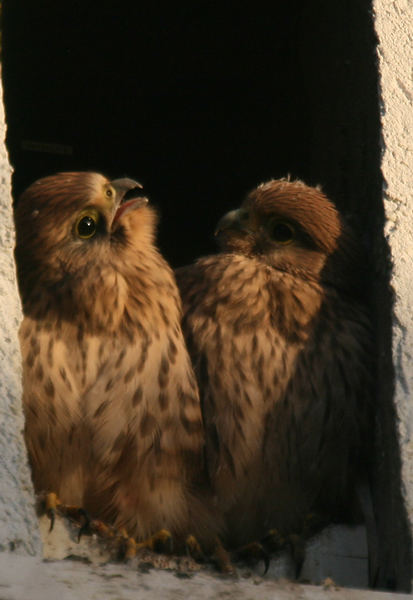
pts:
[113, 421]
[281, 346]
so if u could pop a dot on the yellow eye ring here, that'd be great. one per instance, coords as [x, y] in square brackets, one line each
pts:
[87, 224]
[282, 233]
[109, 193]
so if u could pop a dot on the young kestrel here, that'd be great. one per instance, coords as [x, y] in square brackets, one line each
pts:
[281, 346]
[113, 420]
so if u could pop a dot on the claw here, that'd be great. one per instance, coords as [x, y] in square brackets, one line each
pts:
[222, 559]
[125, 545]
[101, 529]
[159, 542]
[297, 547]
[295, 543]
[274, 541]
[51, 503]
[130, 549]
[254, 552]
[163, 542]
[266, 560]
[85, 528]
[51, 513]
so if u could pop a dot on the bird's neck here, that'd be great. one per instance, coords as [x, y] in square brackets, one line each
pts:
[112, 298]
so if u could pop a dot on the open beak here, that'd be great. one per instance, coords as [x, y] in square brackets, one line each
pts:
[128, 196]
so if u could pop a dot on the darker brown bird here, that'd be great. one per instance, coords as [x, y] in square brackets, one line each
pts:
[113, 420]
[281, 346]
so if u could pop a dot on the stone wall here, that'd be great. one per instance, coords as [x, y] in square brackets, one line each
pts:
[393, 22]
[18, 524]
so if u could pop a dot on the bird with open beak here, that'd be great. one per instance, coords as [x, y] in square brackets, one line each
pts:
[113, 420]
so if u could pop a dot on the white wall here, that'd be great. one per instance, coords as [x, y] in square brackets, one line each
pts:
[18, 525]
[394, 27]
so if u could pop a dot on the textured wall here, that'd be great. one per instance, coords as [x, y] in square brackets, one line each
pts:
[18, 525]
[393, 21]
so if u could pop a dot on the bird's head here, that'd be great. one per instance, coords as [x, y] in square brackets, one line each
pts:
[293, 228]
[68, 221]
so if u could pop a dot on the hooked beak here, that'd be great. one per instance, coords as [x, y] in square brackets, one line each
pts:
[127, 196]
[230, 221]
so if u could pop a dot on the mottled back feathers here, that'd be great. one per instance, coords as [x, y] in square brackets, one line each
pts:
[282, 351]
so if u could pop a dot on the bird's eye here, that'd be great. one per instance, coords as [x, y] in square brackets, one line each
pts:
[109, 193]
[87, 223]
[282, 233]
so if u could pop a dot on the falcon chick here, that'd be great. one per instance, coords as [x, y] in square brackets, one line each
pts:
[113, 420]
[281, 346]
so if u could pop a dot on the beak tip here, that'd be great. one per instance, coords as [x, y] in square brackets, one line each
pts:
[125, 184]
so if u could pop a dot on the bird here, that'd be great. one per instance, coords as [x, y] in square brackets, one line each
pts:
[280, 336]
[113, 422]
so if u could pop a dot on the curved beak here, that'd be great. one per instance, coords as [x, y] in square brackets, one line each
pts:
[131, 188]
[124, 185]
[231, 220]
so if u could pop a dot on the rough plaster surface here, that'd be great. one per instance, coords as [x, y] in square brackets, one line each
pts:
[393, 22]
[338, 553]
[18, 525]
[26, 577]
[86, 573]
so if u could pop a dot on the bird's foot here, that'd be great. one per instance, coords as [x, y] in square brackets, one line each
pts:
[274, 543]
[52, 506]
[161, 542]
[124, 546]
[294, 543]
[193, 549]
[222, 559]
[253, 553]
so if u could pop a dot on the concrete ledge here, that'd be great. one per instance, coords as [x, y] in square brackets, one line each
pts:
[23, 577]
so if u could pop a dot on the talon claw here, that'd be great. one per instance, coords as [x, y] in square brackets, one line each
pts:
[254, 552]
[51, 513]
[193, 549]
[51, 503]
[85, 528]
[130, 549]
[267, 561]
[161, 542]
[222, 559]
[296, 545]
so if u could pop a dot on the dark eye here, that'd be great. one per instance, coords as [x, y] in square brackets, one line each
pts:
[86, 225]
[282, 233]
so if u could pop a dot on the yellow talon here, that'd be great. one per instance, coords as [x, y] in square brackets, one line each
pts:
[51, 503]
[159, 542]
[130, 549]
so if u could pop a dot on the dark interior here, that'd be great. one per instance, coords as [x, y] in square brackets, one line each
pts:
[200, 101]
